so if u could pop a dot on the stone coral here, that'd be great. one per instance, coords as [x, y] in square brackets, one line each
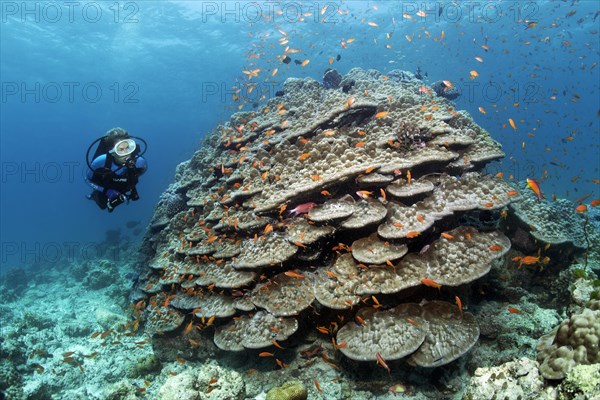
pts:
[377, 200]
[519, 379]
[393, 333]
[291, 390]
[372, 250]
[267, 251]
[574, 342]
[583, 381]
[171, 203]
[164, 319]
[402, 189]
[223, 275]
[302, 231]
[435, 334]
[463, 256]
[254, 333]
[284, 295]
[210, 382]
[451, 333]
[554, 223]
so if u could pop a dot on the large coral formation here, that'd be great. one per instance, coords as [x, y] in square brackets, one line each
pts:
[574, 342]
[391, 173]
[554, 223]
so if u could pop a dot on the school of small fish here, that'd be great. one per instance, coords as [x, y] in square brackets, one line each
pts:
[508, 68]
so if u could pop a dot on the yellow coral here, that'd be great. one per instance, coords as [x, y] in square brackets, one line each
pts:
[291, 390]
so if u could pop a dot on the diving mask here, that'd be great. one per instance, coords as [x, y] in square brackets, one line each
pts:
[125, 147]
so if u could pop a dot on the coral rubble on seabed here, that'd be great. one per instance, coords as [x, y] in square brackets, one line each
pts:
[241, 299]
[62, 332]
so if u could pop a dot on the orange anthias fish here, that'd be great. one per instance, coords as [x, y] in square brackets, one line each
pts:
[382, 362]
[531, 24]
[302, 208]
[533, 185]
[458, 304]
[318, 386]
[293, 274]
[423, 89]
[363, 194]
[529, 260]
[430, 283]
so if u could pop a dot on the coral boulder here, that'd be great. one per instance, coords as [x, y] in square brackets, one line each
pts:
[325, 197]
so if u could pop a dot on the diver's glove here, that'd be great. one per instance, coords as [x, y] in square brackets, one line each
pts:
[114, 200]
[112, 194]
[133, 196]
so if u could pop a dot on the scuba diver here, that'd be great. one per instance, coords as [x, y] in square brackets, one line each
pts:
[115, 168]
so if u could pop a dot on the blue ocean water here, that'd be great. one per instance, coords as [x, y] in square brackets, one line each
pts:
[171, 71]
[168, 72]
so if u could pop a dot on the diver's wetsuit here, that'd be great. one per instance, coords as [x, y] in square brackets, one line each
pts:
[120, 178]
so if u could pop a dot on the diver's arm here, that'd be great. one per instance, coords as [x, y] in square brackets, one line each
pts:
[140, 165]
[94, 186]
[97, 163]
[140, 168]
